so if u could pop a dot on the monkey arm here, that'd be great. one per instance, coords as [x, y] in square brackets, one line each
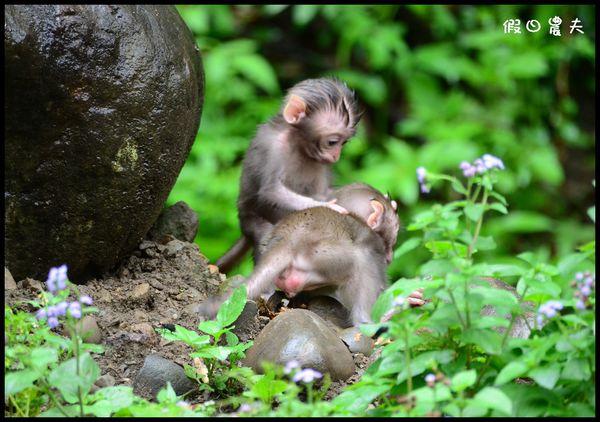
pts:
[280, 195]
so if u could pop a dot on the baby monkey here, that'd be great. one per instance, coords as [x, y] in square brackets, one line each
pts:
[287, 166]
[328, 253]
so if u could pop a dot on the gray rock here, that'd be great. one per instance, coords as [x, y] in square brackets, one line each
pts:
[329, 309]
[178, 220]
[155, 374]
[301, 335]
[247, 323]
[102, 106]
[9, 281]
[357, 341]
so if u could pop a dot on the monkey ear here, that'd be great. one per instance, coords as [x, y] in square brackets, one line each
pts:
[374, 219]
[294, 110]
[394, 205]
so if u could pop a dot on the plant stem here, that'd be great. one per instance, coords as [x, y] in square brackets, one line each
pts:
[75, 337]
[478, 227]
[407, 354]
[462, 322]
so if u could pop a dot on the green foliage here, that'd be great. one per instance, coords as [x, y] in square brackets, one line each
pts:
[475, 366]
[210, 368]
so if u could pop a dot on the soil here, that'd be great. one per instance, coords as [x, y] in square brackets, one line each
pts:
[161, 283]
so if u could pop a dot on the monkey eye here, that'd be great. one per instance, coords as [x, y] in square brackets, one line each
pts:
[332, 142]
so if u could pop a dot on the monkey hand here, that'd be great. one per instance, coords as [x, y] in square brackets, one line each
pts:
[331, 204]
[416, 298]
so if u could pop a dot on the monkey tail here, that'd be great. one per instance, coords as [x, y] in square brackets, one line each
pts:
[234, 255]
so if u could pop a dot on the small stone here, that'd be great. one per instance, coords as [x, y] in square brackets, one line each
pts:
[105, 380]
[144, 328]
[140, 291]
[146, 244]
[213, 269]
[356, 341]
[155, 374]
[9, 281]
[173, 247]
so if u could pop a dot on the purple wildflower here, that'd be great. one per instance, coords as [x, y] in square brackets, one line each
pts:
[57, 278]
[421, 173]
[579, 276]
[307, 375]
[41, 314]
[548, 310]
[421, 177]
[430, 378]
[75, 309]
[86, 300]
[399, 301]
[580, 304]
[245, 408]
[585, 290]
[290, 366]
[491, 162]
[53, 322]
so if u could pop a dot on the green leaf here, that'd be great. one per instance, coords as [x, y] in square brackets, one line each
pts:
[458, 187]
[511, 371]
[231, 309]
[41, 357]
[499, 197]
[356, 401]
[15, 382]
[167, 394]
[546, 376]
[65, 378]
[215, 352]
[576, 369]
[267, 388]
[258, 70]
[407, 246]
[444, 248]
[210, 327]
[495, 399]
[474, 211]
[463, 380]
[498, 207]
[303, 14]
[489, 341]
[189, 337]
[485, 243]
[113, 399]
[591, 212]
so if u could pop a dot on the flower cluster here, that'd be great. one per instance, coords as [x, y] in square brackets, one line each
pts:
[421, 175]
[585, 283]
[305, 375]
[481, 165]
[548, 310]
[57, 281]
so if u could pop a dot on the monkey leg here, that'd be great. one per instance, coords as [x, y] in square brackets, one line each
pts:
[268, 271]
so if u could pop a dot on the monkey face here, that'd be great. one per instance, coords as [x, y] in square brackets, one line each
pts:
[331, 149]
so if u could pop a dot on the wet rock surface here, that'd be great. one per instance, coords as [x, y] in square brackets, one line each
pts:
[102, 105]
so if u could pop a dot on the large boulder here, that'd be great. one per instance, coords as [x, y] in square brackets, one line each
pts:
[101, 106]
